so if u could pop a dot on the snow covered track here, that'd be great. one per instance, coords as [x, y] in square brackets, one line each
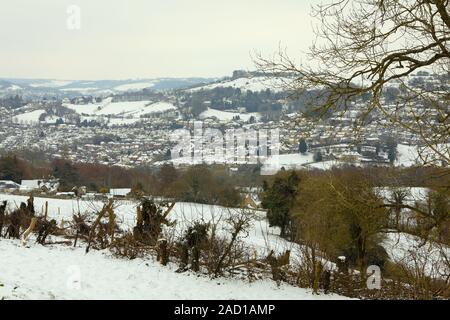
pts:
[61, 272]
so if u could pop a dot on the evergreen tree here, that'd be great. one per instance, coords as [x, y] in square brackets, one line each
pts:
[66, 173]
[318, 156]
[302, 146]
[392, 155]
[278, 200]
[9, 169]
[197, 106]
[167, 175]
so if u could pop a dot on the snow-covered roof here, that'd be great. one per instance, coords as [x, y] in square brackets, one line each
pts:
[8, 184]
[30, 184]
[121, 192]
[70, 193]
[39, 183]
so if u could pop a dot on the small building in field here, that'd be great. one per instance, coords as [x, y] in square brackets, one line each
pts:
[69, 194]
[8, 185]
[44, 185]
[79, 191]
[120, 192]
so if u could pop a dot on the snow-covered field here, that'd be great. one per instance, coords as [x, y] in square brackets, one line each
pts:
[32, 116]
[228, 116]
[61, 272]
[123, 121]
[254, 84]
[413, 194]
[411, 251]
[288, 161]
[296, 161]
[121, 113]
[134, 86]
[407, 156]
[51, 84]
[128, 108]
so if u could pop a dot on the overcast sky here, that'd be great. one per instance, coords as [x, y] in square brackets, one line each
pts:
[121, 39]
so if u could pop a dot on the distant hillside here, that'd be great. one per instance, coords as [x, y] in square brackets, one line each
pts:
[248, 81]
[70, 88]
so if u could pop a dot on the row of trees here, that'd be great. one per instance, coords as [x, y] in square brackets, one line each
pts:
[201, 184]
[10, 168]
[15, 168]
[266, 102]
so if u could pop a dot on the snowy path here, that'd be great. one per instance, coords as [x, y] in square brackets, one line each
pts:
[61, 272]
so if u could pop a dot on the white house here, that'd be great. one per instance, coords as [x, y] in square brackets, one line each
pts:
[42, 184]
[29, 185]
[8, 185]
[120, 192]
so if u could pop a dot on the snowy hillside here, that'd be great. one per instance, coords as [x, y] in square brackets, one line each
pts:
[134, 86]
[128, 108]
[118, 113]
[254, 84]
[51, 84]
[59, 272]
[296, 161]
[411, 155]
[412, 252]
[407, 155]
[70, 88]
[261, 237]
[62, 272]
[29, 117]
[228, 116]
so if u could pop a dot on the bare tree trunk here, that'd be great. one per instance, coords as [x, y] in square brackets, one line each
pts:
[102, 213]
[195, 259]
[163, 252]
[184, 255]
[46, 210]
[2, 216]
